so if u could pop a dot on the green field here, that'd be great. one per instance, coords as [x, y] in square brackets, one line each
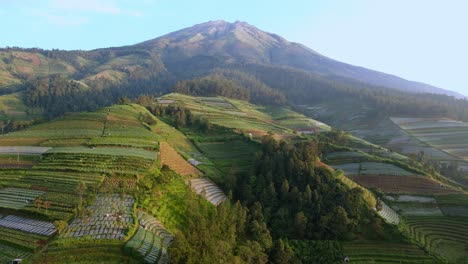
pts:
[445, 236]
[381, 252]
[371, 168]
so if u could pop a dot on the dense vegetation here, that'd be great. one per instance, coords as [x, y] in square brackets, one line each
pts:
[233, 84]
[298, 198]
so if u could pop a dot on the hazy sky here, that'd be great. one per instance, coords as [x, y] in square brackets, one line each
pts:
[422, 40]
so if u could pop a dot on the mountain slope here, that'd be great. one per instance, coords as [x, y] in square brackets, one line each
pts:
[207, 45]
[243, 43]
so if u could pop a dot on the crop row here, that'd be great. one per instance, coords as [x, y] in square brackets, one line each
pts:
[107, 218]
[377, 252]
[151, 240]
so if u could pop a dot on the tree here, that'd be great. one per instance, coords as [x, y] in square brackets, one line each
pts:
[47, 205]
[281, 253]
[80, 190]
[38, 203]
[60, 225]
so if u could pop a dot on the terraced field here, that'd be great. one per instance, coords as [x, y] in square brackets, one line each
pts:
[371, 168]
[173, 160]
[446, 236]
[406, 184]
[208, 190]
[381, 252]
[84, 251]
[389, 214]
[229, 156]
[107, 218]
[28, 225]
[7, 253]
[17, 198]
[446, 135]
[247, 118]
[151, 240]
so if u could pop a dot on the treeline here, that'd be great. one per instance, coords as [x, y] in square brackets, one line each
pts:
[300, 199]
[304, 87]
[56, 94]
[232, 84]
[179, 116]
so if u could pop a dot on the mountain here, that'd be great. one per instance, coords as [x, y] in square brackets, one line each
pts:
[210, 44]
[243, 43]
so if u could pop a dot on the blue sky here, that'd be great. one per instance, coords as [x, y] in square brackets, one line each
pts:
[421, 40]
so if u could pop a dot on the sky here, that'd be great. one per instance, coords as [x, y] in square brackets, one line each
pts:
[420, 40]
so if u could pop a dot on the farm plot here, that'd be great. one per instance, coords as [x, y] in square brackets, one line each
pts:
[8, 253]
[84, 251]
[151, 240]
[453, 204]
[23, 150]
[417, 209]
[107, 151]
[229, 156]
[208, 190]
[216, 102]
[107, 218]
[397, 184]
[28, 225]
[24, 240]
[371, 168]
[127, 161]
[173, 160]
[381, 252]
[388, 214]
[17, 198]
[442, 133]
[445, 236]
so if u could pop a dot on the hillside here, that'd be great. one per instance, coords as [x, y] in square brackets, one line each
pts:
[167, 176]
[155, 66]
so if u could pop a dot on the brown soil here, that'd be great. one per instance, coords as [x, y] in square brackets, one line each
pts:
[173, 160]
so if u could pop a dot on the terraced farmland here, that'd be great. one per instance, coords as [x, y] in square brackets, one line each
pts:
[446, 236]
[17, 198]
[229, 156]
[8, 253]
[28, 225]
[151, 240]
[27, 242]
[208, 190]
[441, 133]
[84, 251]
[173, 160]
[406, 184]
[389, 215]
[368, 168]
[382, 252]
[107, 218]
